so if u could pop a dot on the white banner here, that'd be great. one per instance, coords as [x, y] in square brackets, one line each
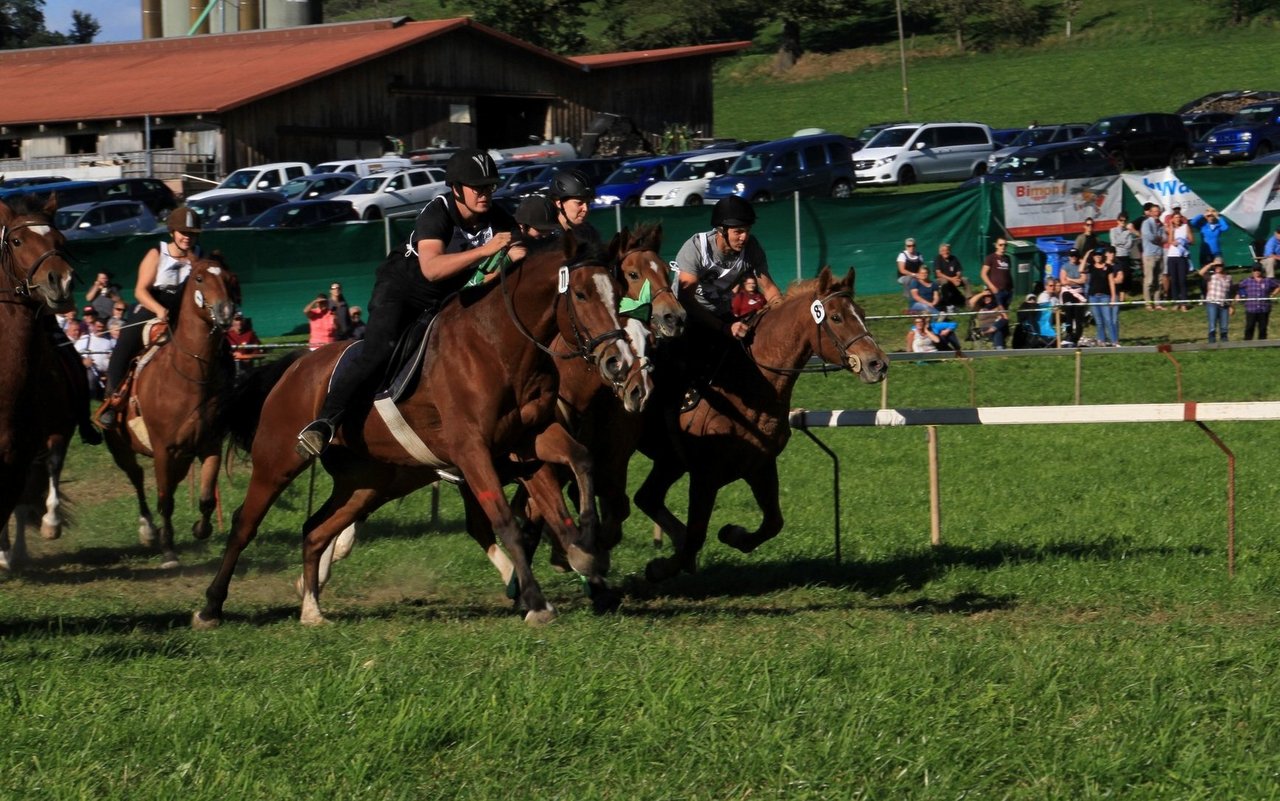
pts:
[1164, 187]
[1264, 195]
[1045, 208]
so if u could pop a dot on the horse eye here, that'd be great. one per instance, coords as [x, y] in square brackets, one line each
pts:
[633, 275]
[579, 294]
[199, 279]
[836, 318]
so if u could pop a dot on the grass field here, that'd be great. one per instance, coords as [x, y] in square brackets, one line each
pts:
[1075, 637]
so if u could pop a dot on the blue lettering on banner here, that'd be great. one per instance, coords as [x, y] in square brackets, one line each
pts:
[1174, 187]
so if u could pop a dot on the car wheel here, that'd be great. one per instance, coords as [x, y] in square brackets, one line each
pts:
[1264, 149]
[693, 200]
[373, 213]
[842, 189]
[761, 197]
[1179, 159]
[631, 203]
[979, 169]
[906, 176]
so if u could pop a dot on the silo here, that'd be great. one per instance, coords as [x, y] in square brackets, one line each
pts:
[173, 14]
[152, 27]
[289, 13]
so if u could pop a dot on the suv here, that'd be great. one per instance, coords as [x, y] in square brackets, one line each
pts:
[819, 165]
[1143, 141]
[264, 177]
[107, 218]
[375, 196]
[1253, 131]
[935, 151]
[157, 196]
[688, 182]
[1060, 160]
[1040, 135]
[233, 209]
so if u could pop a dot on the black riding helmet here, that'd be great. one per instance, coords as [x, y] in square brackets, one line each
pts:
[537, 212]
[570, 183]
[471, 167]
[733, 212]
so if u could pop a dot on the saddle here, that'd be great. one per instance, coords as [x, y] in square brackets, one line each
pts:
[154, 334]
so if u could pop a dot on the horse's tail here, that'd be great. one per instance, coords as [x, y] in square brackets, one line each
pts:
[243, 407]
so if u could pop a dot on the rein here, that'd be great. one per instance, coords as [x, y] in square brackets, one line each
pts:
[215, 328]
[585, 347]
[824, 326]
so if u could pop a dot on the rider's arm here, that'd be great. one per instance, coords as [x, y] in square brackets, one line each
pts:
[435, 264]
[147, 270]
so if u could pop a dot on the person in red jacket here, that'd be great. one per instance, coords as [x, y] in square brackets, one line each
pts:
[747, 300]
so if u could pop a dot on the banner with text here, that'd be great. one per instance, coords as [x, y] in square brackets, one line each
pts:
[1045, 208]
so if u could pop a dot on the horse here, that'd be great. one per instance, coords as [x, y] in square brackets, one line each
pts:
[483, 406]
[35, 279]
[739, 424]
[174, 404]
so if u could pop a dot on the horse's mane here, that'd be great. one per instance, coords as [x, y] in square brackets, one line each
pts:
[646, 236]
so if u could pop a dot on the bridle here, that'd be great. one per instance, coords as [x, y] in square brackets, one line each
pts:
[22, 286]
[619, 275]
[215, 329]
[818, 310]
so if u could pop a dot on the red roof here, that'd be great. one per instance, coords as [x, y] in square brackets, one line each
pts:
[605, 60]
[214, 73]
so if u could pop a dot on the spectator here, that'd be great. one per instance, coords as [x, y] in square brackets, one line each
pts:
[1177, 257]
[950, 277]
[921, 338]
[94, 347]
[1124, 238]
[341, 317]
[1217, 291]
[241, 334]
[1211, 227]
[909, 263]
[113, 328]
[748, 299]
[1101, 282]
[1257, 291]
[1152, 236]
[103, 295]
[66, 317]
[357, 323]
[1046, 323]
[992, 319]
[1087, 240]
[1270, 253]
[1073, 298]
[118, 311]
[320, 318]
[996, 275]
[923, 293]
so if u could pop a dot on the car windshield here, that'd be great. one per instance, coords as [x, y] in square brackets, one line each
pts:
[526, 175]
[271, 217]
[66, 220]
[366, 186]
[688, 170]
[891, 137]
[240, 179]
[1255, 115]
[326, 168]
[1018, 164]
[869, 133]
[1032, 136]
[1101, 128]
[295, 188]
[628, 175]
[751, 163]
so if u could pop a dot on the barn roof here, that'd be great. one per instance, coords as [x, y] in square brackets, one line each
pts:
[214, 73]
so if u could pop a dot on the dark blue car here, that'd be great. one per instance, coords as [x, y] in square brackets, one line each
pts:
[1253, 131]
[629, 181]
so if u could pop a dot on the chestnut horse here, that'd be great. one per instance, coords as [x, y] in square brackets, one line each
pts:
[483, 405]
[739, 424]
[35, 278]
[174, 404]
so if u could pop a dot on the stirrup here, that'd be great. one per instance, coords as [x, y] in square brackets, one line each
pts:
[107, 415]
[314, 439]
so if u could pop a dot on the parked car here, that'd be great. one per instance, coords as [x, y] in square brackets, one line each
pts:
[936, 151]
[318, 185]
[1060, 160]
[536, 182]
[1143, 141]
[868, 133]
[362, 167]
[69, 193]
[157, 196]
[305, 214]
[625, 185]
[817, 166]
[1003, 137]
[264, 177]
[1040, 135]
[31, 180]
[1200, 123]
[105, 218]
[688, 182]
[375, 196]
[233, 209]
[1253, 131]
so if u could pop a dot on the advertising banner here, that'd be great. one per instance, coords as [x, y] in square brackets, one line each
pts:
[1264, 195]
[1046, 208]
[1165, 188]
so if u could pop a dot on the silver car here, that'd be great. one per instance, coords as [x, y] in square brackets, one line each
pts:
[107, 218]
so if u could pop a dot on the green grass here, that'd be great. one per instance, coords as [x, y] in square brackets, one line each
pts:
[1075, 637]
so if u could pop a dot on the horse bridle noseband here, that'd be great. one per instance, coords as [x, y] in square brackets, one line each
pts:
[22, 286]
[855, 363]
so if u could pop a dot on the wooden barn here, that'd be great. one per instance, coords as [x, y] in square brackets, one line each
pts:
[218, 102]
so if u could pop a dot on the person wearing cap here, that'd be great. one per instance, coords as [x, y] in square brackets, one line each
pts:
[712, 263]
[1270, 253]
[158, 291]
[1217, 292]
[1257, 291]
[572, 193]
[455, 235]
[537, 217]
[1211, 226]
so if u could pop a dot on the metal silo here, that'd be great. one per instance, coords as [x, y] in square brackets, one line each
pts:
[289, 13]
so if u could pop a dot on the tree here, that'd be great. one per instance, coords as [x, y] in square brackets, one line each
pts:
[959, 16]
[638, 24]
[1238, 12]
[556, 25]
[83, 28]
[22, 24]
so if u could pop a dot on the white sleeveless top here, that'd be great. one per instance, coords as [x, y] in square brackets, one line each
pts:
[172, 272]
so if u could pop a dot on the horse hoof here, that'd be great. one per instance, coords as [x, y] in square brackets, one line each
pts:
[315, 620]
[201, 530]
[50, 531]
[4, 561]
[170, 562]
[540, 617]
[558, 561]
[200, 623]
[606, 601]
[147, 535]
[733, 536]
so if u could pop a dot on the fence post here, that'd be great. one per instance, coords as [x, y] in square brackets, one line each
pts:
[935, 500]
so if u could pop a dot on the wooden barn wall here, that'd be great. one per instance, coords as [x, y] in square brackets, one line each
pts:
[656, 95]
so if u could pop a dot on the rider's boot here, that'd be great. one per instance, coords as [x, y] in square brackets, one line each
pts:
[315, 437]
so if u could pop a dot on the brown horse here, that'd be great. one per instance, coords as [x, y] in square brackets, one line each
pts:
[35, 278]
[739, 425]
[484, 406]
[174, 405]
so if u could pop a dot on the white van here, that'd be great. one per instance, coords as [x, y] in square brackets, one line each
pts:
[363, 167]
[266, 177]
[687, 183]
[936, 151]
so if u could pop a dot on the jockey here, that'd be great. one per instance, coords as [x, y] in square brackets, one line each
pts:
[455, 234]
[537, 218]
[712, 263]
[161, 274]
[572, 193]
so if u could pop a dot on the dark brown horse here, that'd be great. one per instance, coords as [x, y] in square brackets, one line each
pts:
[739, 425]
[484, 406]
[35, 278]
[174, 405]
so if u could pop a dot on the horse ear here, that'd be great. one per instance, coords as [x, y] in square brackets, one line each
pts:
[657, 237]
[849, 279]
[824, 279]
[51, 205]
[617, 244]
